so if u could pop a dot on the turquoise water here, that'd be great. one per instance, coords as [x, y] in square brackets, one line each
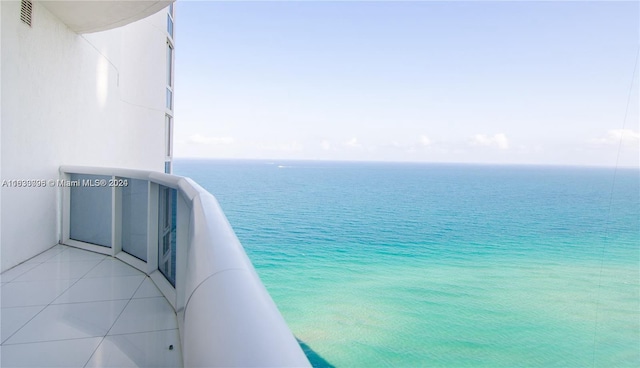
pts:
[379, 264]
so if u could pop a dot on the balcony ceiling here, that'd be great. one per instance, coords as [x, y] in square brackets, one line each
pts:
[97, 15]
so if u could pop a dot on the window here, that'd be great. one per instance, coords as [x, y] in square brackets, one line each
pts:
[90, 209]
[134, 217]
[168, 143]
[167, 233]
[169, 99]
[169, 64]
[169, 102]
[170, 18]
[170, 25]
[168, 120]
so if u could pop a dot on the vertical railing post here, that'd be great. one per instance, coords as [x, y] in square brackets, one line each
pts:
[66, 207]
[183, 220]
[152, 228]
[116, 219]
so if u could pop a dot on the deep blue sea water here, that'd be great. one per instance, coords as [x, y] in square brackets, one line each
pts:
[389, 264]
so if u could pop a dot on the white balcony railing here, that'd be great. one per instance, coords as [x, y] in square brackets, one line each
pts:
[175, 231]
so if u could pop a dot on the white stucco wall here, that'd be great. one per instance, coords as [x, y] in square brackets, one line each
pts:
[67, 99]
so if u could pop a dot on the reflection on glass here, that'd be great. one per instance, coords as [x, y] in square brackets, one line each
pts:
[90, 209]
[167, 134]
[169, 25]
[134, 217]
[169, 65]
[167, 208]
[169, 99]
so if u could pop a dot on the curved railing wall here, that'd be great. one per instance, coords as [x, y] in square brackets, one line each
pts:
[176, 232]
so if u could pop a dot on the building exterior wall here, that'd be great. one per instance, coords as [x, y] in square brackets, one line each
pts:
[68, 99]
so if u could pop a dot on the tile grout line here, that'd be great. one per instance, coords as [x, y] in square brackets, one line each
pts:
[47, 261]
[95, 301]
[50, 303]
[46, 341]
[20, 274]
[37, 263]
[24, 324]
[73, 282]
[81, 277]
[114, 322]
[145, 332]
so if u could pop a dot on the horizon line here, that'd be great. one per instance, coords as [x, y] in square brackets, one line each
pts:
[408, 162]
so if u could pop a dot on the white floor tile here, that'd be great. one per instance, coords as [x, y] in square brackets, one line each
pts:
[21, 294]
[147, 290]
[65, 353]
[144, 315]
[71, 254]
[149, 349]
[101, 289]
[47, 254]
[70, 321]
[10, 275]
[112, 267]
[58, 306]
[57, 271]
[11, 319]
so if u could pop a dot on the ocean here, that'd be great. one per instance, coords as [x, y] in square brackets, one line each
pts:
[443, 265]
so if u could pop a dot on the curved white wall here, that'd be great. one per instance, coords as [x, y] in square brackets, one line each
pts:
[95, 99]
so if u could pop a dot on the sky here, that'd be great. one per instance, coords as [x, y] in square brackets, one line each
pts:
[472, 82]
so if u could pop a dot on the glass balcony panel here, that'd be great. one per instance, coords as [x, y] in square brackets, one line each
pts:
[167, 233]
[134, 217]
[90, 209]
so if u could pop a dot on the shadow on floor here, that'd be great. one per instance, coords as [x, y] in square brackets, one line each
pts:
[315, 359]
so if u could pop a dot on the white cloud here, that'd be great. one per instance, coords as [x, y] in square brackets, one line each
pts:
[353, 143]
[201, 139]
[282, 147]
[425, 141]
[499, 141]
[617, 136]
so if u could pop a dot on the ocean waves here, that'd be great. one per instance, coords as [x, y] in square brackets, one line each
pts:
[442, 265]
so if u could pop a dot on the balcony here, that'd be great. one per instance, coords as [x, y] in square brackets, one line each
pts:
[148, 273]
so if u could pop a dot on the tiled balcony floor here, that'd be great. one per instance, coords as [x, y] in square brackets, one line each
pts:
[68, 307]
